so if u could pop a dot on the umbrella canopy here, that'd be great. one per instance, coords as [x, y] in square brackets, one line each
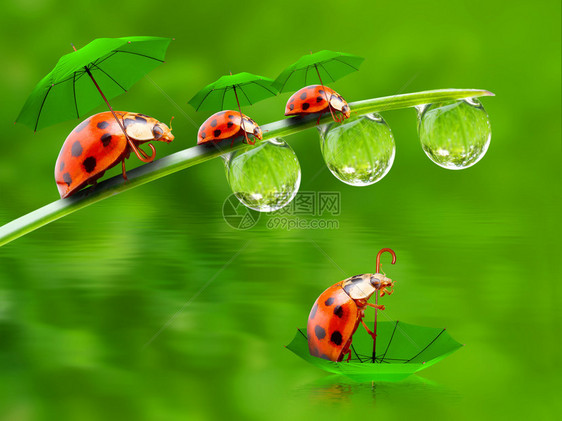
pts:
[69, 92]
[317, 68]
[402, 349]
[233, 91]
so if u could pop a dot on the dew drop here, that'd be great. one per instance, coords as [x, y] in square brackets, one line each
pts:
[266, 177]
[456, 134]
[359, 152]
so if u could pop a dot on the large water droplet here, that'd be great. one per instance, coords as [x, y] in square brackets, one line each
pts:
[359, 152]
[266, 177]
[456, 134]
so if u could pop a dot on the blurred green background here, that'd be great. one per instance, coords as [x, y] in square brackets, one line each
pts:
[149, 306]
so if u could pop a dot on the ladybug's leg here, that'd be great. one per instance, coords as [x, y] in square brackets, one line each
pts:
[369, 331]
[377, 306]
[123, 167]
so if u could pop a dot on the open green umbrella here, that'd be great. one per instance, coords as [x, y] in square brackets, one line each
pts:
[233, 91]
[402, 349]
[316, 68]
[87, 77]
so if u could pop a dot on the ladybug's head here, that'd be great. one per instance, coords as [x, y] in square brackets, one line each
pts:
[381, 283]
[143, 128]
[162, 132]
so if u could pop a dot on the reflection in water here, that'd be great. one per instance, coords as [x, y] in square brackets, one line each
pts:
[338, 389]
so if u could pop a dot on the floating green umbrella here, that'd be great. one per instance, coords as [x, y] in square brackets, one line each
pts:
[85, 78]
[316, 68]
[402, 349]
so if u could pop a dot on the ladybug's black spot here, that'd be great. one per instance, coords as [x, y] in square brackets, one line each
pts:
[89, 164]
[321, 92]
[292, 99]
[338, 311]
[319, 99]
[336, 338]
[128, 121]
[229, 124]
[106, 139]
[231, 116]
[314, 351]
[102, 124]
[82, 125]
[291, 107]
[67, 179]
[61, 166]
[217, 133]
[313, 311]
[76, 148]
[305, 106]
[203, 135]
[329, 301]
[140, 119]
[303, 96]
[320, 332]
[214, 123]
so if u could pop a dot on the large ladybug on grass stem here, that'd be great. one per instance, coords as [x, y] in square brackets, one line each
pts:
[228, 125]
[318, 99]
[102, 141]
[336, 314]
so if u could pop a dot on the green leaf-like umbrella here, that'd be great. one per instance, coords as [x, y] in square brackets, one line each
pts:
[232, 91]
[87, 77]
[402, 349]
[316, 68]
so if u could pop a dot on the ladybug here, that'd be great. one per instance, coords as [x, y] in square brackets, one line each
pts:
[337, 312]
[317, 99]
[98, 144]
[228, 124]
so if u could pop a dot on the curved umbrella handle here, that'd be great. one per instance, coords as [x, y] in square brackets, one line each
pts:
[379, 257]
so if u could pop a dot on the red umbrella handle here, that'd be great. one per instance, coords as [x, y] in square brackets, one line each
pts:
[378, 268]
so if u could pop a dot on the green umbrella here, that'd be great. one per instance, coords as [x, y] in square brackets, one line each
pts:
[315, 68]
[233, 90]
[87, 77]
[403, 349]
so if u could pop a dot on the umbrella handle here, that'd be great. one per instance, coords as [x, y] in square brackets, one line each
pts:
[138, 151]
[378, 268]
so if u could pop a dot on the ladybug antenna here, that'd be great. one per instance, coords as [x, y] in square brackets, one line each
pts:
[171, 122]
[379, 257]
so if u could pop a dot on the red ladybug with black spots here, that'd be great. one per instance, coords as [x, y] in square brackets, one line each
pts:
[226, 125]
[317, 99]
[98, 144]
[336, 314]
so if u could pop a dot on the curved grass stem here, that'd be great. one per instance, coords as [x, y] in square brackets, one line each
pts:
[201, 153]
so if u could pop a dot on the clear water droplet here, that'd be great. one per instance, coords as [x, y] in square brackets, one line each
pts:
[266, 177]
[455, 134]
[359, 152]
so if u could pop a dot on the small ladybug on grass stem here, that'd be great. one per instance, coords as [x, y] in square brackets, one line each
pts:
[99, 143]
[336, 314]
[317, 99]
[228, 125]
